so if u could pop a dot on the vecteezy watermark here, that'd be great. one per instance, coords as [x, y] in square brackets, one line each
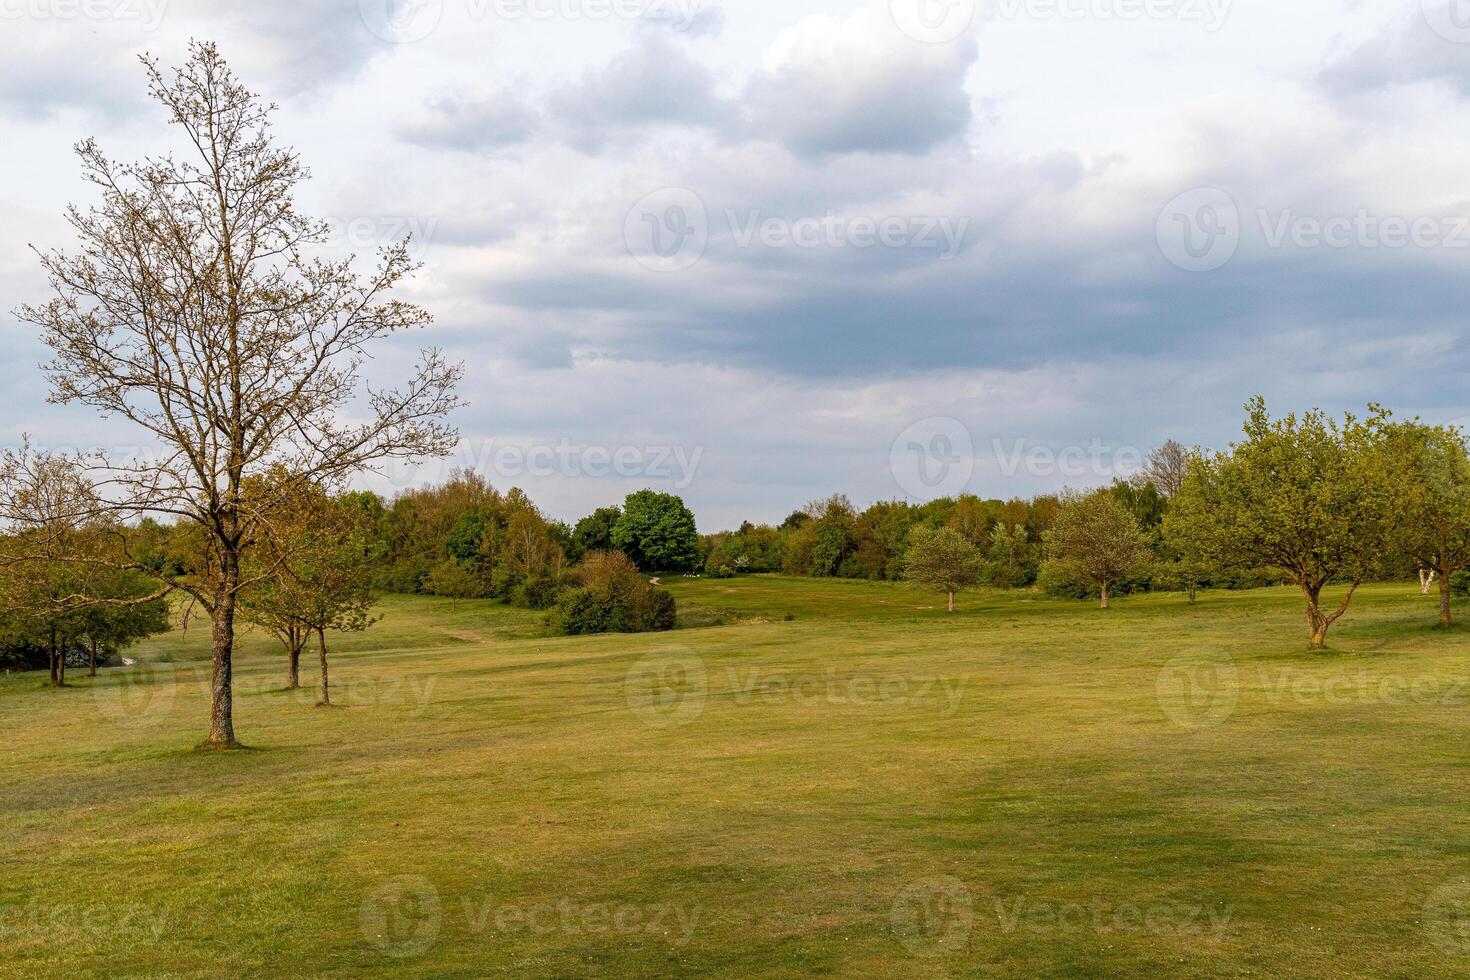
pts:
[401, 21]
[1198, 690]
[494, 459]
[148, 14]
[934, 21]
[753, 685]
[401, 916]
[137, 696]
[933, 916]
[1096, 459]
[143, 693]
[670, 689]
[667, 689]
[1202, 230]
[1199, 231]
[1104, 917]
[1363, 229]
[1209, 14]
[51, 922]
[1450, 19]
[1201, 690]
[673, 923]
[944, 236]
[934, 457]
[670, 231]
[370, 232]
[407, 21]
[1446, 917]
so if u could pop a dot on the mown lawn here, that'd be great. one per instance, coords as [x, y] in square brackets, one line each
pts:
[837, 779]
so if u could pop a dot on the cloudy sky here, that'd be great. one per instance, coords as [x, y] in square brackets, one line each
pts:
[760, 252]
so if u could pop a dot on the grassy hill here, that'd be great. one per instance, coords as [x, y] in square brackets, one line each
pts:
[814, 777]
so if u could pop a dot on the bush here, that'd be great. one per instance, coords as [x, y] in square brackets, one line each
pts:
[613, 598]
[579, 613]
[538, 592]
[1460, 583]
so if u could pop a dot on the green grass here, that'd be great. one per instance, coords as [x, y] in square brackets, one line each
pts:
[869, 788]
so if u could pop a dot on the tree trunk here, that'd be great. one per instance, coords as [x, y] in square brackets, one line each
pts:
[221, 707]
[55, 680]
[326, 692]
[1105, 595]
[293, 663]
[1446, 618]
[951, 602]
[92, 658]
[1426, 580]
[61, 664]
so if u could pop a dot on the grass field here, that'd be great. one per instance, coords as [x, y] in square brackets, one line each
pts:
[815, 777]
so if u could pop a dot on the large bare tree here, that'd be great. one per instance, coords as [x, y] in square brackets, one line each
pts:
[195, 308]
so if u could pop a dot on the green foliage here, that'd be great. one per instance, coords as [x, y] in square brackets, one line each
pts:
[942, 560]
[657, 532]
[453, 579]
[1430, 470]
[613, 598]
[538, 592]
[595, 532]
[1303, 494]
[1460, 583]
[1012, 560]
[1095, 542]
[463, 543]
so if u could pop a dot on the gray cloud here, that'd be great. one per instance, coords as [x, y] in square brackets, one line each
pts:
[472, 124]
[1406, 51]
[654, 82]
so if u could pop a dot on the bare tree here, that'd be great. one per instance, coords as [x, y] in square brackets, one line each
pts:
[1165, 468]
[194, 310]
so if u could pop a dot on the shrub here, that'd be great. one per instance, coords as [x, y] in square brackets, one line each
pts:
[613, 598]
[579, 613]
[1460, 583]
[538, 592]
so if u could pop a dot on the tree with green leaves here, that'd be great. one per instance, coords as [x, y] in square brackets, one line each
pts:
[1011, 558]
[595, 532]
[1304, 494]
[657, 532]
[1095, 540]
[315, 571]
[944, 560]
[454, 580]
[1430, 466]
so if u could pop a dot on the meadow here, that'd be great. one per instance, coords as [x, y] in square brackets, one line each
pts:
[809, 777]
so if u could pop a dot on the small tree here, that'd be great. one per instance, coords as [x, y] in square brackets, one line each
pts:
[1094, 539]
[454, 580]
[943, 560]
[1306, 495]
[318, 560]
[1430, 467]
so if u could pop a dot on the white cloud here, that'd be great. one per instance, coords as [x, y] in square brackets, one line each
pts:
[858, 84]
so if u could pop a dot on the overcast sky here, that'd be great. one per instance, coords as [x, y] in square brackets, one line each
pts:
[760, 252]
